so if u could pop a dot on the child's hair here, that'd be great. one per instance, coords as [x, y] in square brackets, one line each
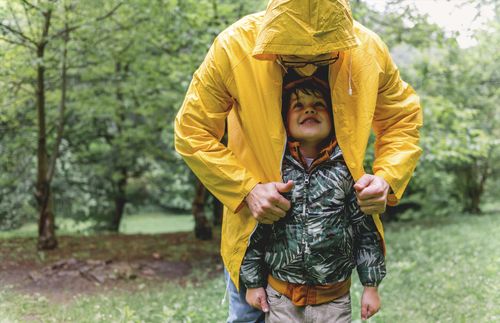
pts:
[309, 85]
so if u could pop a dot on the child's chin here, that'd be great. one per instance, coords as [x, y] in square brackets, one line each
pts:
[312, 138]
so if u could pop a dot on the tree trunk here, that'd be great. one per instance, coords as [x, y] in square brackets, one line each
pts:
[121, 184]
[474, 180]
[117, 217]
[120, 201]
[202, 228]
[46, 225]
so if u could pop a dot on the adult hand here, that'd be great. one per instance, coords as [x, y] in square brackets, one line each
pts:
[370, 302]
[266, 203]
[257, 298]
[371, 191]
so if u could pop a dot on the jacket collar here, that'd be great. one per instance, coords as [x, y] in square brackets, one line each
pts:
[330, 152]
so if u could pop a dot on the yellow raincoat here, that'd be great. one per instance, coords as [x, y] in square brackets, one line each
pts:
[241, 81]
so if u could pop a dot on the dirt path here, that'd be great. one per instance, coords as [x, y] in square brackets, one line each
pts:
[96, 264]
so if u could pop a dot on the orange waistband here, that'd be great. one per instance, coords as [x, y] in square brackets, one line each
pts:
[302, 295]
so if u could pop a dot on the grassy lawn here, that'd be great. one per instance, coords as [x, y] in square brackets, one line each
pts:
[166, 303]
[148, 223]
[156, 223]
[441, 271]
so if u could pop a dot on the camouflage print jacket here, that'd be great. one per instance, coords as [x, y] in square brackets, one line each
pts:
[323, 236]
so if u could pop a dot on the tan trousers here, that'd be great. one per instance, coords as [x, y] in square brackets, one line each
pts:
[282, 310]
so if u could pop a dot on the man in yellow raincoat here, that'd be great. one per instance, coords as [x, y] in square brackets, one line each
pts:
[241, 80]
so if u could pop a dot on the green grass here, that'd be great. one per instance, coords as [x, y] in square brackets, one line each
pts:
[27, 230]
[446, 271]
[166, 303]
[156, 223]
[149, 223]
[441, 271]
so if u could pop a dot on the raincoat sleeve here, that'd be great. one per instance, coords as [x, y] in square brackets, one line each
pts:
[396, 123]
[200, 125]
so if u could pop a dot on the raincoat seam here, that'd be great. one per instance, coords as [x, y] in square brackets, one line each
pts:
[239, 30]
[230, 79]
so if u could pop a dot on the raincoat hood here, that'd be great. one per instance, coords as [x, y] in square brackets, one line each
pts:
[305, 27]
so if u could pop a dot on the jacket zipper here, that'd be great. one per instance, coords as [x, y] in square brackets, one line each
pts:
[304, 242]
[305, 250]
[283, 156]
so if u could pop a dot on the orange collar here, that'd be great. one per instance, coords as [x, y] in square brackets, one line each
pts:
[324, 154]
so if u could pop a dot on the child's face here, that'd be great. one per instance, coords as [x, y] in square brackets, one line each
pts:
[308, 118]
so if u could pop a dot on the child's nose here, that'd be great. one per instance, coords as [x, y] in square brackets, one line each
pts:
[310, 110]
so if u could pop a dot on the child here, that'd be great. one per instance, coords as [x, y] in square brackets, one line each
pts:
[307, 257]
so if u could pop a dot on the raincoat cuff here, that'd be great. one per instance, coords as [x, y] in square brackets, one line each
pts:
[392, 199]
[248, 188]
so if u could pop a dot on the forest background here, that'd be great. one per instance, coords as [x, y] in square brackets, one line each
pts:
[89, 90]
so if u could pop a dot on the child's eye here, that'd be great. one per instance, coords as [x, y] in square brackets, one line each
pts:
[298, 106]
[319, 105]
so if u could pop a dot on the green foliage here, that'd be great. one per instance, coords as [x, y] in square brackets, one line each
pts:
[130, 64]
[459, 94]
[460, 97]
[399, 23]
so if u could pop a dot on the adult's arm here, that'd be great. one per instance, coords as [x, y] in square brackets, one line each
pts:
[199, 126]
[396, 123]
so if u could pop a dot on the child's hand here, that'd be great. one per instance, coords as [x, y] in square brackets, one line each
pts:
[257, 298]
[370, 302]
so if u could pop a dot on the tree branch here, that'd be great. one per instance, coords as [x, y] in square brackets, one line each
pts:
[14, 16]
[46, 26]
[19, 33]
[29, 4]
[75, 27]
[69, 29]
[62, 107]
[13, 42]
[26, 14]
[110, 13]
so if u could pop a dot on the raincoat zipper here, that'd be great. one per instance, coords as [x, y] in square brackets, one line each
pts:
[304, 212]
